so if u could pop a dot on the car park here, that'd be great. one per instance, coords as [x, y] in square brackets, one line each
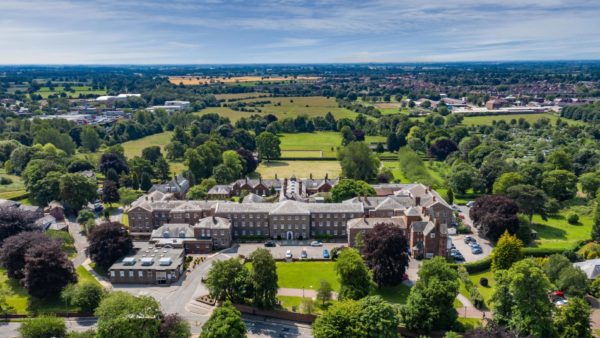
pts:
[270, 244]
[325, 253]
[476, 250]
[316, 243]
[468, 239]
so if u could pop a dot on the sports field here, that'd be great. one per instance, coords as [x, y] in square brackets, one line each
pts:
[283, 107]
[75, 91]
[326, 142]
[301, 169]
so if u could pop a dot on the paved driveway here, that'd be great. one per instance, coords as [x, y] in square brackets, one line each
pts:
[279, 251]
[458, 240]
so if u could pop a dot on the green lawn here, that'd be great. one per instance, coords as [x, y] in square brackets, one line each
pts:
[396, 171]
[298, 275]
[394, 294]
[486, 292]
[479, 120]
[325, 141]
[556, 232]
[287, 107]
[299, 168]
[135, 147]
[16, 188]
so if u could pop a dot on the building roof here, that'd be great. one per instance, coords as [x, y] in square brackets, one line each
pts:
[213, 222]
[143, 252]
[179, 184]
[368, 223]
[220, 189]
[173, 230]
[290, 208]
[230, 207]
[419, 226]
[253, 198]
[590, 267]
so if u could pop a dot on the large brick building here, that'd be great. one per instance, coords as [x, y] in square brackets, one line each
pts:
[209, 225]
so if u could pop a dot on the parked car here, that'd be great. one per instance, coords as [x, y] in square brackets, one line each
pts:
[325, 253]
[316, 243]
[468, 239]
[476, 250]
[270, 244]
[455, 207]
[473, 244]
[303, 254]
[470, 204]
[288, 254]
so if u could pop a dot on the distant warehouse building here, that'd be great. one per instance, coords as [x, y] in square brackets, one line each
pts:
[149, 264]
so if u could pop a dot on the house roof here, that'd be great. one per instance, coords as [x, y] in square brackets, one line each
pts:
[213, 222]
[419, 226]
[590, 267]
[173, 230]
[253, 198]
[368, 223]
[289, 207]
[220, 189]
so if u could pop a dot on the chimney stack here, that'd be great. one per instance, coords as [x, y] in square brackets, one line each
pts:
[417, 201]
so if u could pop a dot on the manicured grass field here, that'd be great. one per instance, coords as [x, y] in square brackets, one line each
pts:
[239, 96]
[394, 294]
[287, 107]
[135, 147]
[396, 171]
[486, 292]
[302, 169]
[325, 141]
[75, 93]
[16, 188]
[556, 232]
[308, 275]
[301, 153]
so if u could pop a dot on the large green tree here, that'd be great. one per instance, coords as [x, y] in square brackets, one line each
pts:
[353, 274]
[122, 315]
[507, 251]
[358, 162]
[264, 278]
[224, 322]
[43, 327]
[530, 199]
[228, 280]
[76, 191]
[90, 139]
[573, 319]
[596, 224]
[267, 145]
[348, 188]
[560, 184]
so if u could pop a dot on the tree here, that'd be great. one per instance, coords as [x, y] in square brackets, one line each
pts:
[228, 280]
[559, 159]
[573, 319]
[385, 249]
[507, 251]
[348, 188]
[573, 281]
[358, 161]
[341, 320]
[199, 192]
[122, 315]
[76, 191]
[560, 184]
[43, 327]
[308, 306]
[12, 253]
[507, 180]
[111, 175]
[108, 242]
[55, 137]
[520, 299]
[47, 269]
[248, 159]
[324, 292]
[554, 266]
[151, 154]
[441, 148]
[224, 322]
[85, 215]
[495, 214]
[450, 196]
[110, 192]
[595, 226]
[85, 295]
[590, 183]
[264, 278]
[490, 330]
[78, 165]
[355, 281]
[90, 139]
[145, 182]
[14, 221]
[162, 168]
[462, 177]
[267, 146]
[41, 185]
[530, 199]
[430, 303]
[174, 326]
[347, 135]
[114, 161]
[394, 142]
[378, 318]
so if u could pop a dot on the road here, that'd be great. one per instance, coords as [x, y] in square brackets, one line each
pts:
[11, 329]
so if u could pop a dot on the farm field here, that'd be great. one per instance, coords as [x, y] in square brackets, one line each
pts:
[239, 96]
[302, 169]
[325, 141]
[200, 80]
[75, 92]
[480, 120]
[135, 147]
[283, 107]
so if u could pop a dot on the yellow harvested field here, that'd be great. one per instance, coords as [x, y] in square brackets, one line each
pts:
[388, 105]
[241, 96]
[202, 80]
[301, 169]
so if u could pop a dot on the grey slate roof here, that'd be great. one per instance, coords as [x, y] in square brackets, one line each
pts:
[368, 223]
[173, 230]
[590, 267]
[213, 222]
[147, 251]
[253, 198]
[419, 226]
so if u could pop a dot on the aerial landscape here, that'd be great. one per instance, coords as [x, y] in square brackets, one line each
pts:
[320, 169]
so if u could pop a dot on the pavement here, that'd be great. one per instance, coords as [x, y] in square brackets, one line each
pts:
[282, 246]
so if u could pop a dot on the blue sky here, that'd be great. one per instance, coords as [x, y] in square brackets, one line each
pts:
[295, 31]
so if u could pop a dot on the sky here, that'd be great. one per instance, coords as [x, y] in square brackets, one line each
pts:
[296, 31]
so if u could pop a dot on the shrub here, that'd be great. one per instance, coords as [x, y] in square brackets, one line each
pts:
[595, 288]
[573, 219]
[476, 297]
[5, 180]
[590, 251]
[479, 266]
[483, 281]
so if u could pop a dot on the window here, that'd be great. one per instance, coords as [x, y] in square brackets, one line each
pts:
[433, 235]
[121, 274]
[141, 273]
[243, 232]
[112, 273]
[335, 232]
[274, 226]
[274, 218]
[243, 223]
[328, 215]
[251, 224]
[343, 232]
[222, 232]
[296, 218]
[328, 223]
[258, 232]
[289, 227]
[251, 216]
[335, 223]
